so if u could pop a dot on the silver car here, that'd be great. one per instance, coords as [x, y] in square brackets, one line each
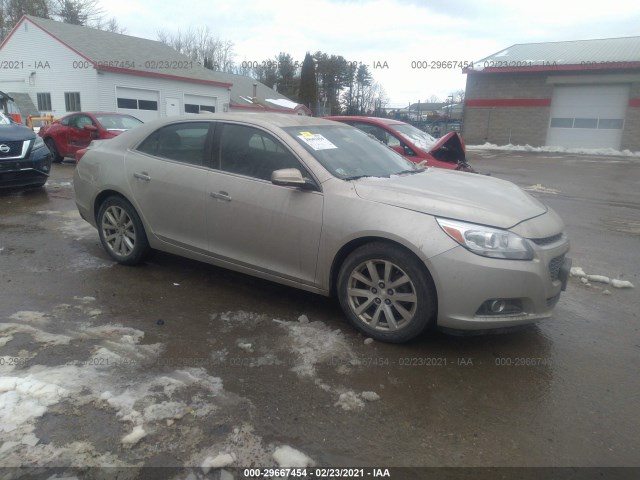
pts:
[320, 206]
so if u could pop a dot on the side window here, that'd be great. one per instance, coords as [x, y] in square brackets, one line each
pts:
[379, 133]
[254, 153]
[81, 121]
[184, 142]
[68, 121]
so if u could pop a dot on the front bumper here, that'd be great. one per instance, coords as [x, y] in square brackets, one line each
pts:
[32, 170]
[466, 281]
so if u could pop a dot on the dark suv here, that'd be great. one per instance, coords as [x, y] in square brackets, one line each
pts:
[24, 158]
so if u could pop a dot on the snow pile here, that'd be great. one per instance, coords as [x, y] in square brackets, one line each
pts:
[219, 461]
[541, 189]
[353, 401]
[581, 151]
[315, 343]
[282, 102]
[287, 457]
[586, 279]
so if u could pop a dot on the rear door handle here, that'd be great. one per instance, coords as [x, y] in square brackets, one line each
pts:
[142, 176]
[221, 195]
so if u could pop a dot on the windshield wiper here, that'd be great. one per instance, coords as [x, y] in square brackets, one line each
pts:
[355, 177]
[412, 171]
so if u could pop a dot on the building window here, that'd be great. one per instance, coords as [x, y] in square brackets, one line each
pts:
[131, 103]
[610, 123]
[135, 104]
[147, 105]
[562, 123]
[72, 101]
[192, 108]
[44, 102]
[585, 123]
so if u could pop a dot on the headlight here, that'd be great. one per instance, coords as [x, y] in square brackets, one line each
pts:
[487, 241]
[38, 143]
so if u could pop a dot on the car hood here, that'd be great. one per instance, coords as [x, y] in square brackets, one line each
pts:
[14, 132]
[456, 195]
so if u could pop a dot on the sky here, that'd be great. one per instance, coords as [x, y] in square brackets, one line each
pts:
[393, 37]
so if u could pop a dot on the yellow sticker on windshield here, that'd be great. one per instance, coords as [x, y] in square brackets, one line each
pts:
[316, 141]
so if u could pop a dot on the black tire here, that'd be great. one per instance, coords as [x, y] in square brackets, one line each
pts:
[55, 156]
[121, 231]
[407, 301]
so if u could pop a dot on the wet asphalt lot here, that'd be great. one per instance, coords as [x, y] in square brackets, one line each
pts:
[175, 362]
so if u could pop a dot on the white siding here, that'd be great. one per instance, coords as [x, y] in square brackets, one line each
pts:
[108, 82]
[32, 50]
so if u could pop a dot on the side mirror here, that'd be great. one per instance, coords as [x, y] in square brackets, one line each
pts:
[91, 128]
[290, 177]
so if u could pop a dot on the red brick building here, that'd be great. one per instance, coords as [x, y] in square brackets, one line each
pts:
[582, 93]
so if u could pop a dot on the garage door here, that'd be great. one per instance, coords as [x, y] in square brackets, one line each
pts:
[138, 102]
[588, 116]
[198, 103]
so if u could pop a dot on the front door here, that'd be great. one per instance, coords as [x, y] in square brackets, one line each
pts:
[253, 222]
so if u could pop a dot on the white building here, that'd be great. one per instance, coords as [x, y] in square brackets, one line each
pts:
[67, 68]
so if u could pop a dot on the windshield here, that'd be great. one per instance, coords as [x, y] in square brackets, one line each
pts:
[118, 122]
[348, 153]
[419, 138]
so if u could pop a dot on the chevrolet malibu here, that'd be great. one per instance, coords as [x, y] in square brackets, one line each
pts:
[319, 205]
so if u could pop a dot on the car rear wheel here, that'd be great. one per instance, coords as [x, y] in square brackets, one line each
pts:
[51, 145]
[121, 231]
[386, 293]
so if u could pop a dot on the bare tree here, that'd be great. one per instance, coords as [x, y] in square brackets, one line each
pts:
[200, 45]
[110, 25]
[458, 96]
[77, 12]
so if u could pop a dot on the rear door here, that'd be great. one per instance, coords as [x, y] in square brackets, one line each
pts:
[167, 174]
[253, 222]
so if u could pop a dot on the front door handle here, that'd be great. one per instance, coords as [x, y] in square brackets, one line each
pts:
[142, 176]
[221, 195]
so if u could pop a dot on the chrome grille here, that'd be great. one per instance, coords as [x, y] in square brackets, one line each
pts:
[10, 149]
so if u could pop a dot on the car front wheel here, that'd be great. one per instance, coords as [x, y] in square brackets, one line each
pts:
[386, 293]
[121, 231]
[51, 145]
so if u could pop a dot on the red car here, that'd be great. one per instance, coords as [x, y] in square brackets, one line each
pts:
[414, 144]
[67, 135]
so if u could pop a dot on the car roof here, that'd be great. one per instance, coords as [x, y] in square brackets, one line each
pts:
[266, 119]
[384, 121]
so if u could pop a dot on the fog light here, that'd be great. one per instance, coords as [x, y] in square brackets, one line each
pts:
[497, 306]
[501, 306]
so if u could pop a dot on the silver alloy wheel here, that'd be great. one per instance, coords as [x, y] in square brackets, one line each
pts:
[118, 231]
[382, 295]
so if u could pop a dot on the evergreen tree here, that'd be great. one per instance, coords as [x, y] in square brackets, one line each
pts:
[308, 85]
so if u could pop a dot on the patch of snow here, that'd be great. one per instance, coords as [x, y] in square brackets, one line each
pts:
[315, 343]
[219, 461]
[30, 316]
[606, 292]
[615, 283]
[529, 148]
[288, 457]
[598, 279]
[245, 346]
[349, 401]
[282, 102]
[135, 436]
[368, 341]
[303, 319]
[577, 272]
[541, 189]
[370, 396]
